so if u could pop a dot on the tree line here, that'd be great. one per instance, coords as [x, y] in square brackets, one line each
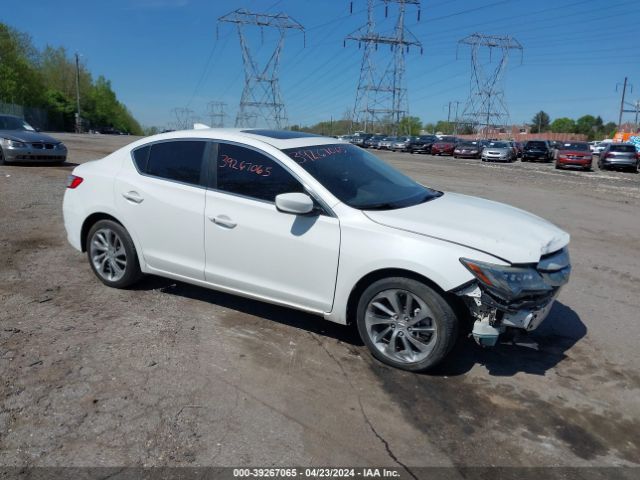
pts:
[47, 79]
[593, 127]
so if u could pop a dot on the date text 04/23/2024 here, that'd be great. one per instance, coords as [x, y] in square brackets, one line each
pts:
[316, 472]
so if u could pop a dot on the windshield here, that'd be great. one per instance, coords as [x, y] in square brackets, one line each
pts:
[499, 145]
[448, 139]
[14, 123]
[582, 147]
[467, 145]
[360, 179]
[536, 145]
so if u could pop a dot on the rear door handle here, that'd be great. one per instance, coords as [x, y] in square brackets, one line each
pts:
[133, 197]
[223, 221]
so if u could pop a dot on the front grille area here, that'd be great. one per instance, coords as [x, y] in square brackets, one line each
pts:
[42, 146]
[41, 157]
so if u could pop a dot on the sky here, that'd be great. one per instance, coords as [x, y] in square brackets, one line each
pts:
[163, 54]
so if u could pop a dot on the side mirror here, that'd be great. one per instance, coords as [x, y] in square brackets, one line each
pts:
[296, 203]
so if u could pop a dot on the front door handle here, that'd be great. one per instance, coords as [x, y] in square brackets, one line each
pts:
[223, 221]
[133, 197]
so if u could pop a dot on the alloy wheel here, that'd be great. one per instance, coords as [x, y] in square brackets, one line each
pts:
[108, 254]
[401, 326]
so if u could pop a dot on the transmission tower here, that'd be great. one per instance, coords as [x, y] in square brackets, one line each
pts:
[215, 111]
[182, 118]
[486, 106]
[381, 96]
[261, 100]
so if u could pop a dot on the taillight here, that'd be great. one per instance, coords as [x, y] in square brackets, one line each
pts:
[73, 181]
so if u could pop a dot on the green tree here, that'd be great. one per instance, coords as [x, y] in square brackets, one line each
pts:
[444, 127]
[563, 125]
[540, 122]
[20, 80]
[410, 126]
[588, 125]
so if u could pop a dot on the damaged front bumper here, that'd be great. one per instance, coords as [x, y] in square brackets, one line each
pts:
[494, 312]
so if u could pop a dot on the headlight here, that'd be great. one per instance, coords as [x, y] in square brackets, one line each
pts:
[6, 142]
[60, 146]
[505, 281]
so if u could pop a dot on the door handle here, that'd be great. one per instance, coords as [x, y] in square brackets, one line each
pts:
[133, 197]
[223, 221]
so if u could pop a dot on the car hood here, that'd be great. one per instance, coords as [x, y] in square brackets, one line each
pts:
[500, 230]
[498, 149]
[27, 136]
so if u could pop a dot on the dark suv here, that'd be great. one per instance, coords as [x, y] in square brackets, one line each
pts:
[421, 144]
[537, 151]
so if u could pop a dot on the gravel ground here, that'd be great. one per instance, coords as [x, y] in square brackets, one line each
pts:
[172, 374]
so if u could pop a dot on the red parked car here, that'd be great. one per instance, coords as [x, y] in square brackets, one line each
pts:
[444, 146]
[574, 154]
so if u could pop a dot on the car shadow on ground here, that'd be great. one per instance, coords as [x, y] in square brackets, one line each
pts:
[282, 315]
[533, 353]
[42, 164]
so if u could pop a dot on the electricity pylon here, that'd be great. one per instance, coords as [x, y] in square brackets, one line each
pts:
[486, 106]
[216, 113]
[261, 100]
[183, 118]
[381, 96]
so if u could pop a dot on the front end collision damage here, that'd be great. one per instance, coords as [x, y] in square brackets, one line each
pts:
[495, 311]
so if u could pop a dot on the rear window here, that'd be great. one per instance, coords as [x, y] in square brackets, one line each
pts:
[623, 148]
[178, 160]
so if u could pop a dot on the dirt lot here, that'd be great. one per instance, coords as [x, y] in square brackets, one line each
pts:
[171, 374]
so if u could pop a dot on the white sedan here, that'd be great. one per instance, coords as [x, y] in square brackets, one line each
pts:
[322, 226]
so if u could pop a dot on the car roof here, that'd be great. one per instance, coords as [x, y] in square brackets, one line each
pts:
[280, 139]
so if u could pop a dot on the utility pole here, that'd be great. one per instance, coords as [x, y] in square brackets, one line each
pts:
[261, 97]
[486, 106]
[636, 106]
[78, 119]
[381, 95]
[624, 92]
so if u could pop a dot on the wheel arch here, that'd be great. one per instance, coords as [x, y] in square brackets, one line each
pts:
[89, 222]
[361, 285]
[95, 217]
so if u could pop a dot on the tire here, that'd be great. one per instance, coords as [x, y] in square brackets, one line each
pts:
[557, 167]
[413, 350]
[118, 270]
[2, 161]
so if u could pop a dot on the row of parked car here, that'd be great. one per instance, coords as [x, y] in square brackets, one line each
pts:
[570, 154]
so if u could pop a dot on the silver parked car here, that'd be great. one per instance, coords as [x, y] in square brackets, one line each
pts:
[20, 142]
[619, 156]
[402, 144]
[498, 152]
[386, 143]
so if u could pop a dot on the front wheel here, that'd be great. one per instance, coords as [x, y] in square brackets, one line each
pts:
[112, 254]
[406, 324]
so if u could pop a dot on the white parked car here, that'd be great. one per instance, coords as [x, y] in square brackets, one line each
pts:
[318, 225]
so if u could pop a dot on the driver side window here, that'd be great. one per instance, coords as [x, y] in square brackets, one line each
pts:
[246, 172]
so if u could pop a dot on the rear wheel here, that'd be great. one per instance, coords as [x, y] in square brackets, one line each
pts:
[406, 324]
[112, 254]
